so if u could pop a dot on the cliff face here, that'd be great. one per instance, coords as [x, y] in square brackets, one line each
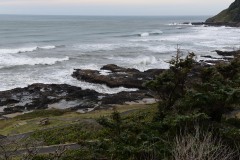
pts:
[232, 14]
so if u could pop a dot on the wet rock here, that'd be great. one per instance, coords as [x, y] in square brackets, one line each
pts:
[217, 24]
[2, 136]
[7, 101]
[123, 97]
[60, 96]
[39, 96]
[115, 68]
[228, 53]
[207, 56]
[118, 76]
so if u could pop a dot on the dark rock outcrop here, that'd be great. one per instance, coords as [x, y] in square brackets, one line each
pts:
[2, 136]
[228, 53]
[61, 96]
[39, 96]
[230, 15]
[122, 97]
[217, 24]
[118, 76]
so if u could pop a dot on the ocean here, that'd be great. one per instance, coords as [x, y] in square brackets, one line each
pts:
[46, 49]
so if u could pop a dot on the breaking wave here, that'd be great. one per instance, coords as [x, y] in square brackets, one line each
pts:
[25, 49]
[144, 34]
[180, 24]
[11, 61]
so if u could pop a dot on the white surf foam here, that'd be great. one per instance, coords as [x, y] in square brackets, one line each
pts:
[13, 60]
[91, 66]
[24, 49]
[142, 62]
[96, 47]
[105, 46]
[145, 34]
[47, 47]
[161, 49]
[103, 88]
[180, 24]
[153, 33]
[145, 60]
[64, 77]
[172, 24]
[18, 50]
[213, 38]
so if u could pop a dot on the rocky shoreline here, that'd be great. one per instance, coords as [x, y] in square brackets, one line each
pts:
[63, 96]
[216, 24]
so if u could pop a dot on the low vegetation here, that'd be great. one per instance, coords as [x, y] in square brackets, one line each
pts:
[42, 114]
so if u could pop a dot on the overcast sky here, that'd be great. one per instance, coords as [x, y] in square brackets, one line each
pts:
[113, 7]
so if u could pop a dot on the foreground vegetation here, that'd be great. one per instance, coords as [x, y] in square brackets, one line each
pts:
[192, 120]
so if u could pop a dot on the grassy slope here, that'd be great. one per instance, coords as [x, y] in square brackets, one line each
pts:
[228, 15]
[225, 16]
[29, 122]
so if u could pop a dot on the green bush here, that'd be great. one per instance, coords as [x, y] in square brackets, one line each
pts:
[72, 133]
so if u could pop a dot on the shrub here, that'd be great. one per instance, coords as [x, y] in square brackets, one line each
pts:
[201, 145]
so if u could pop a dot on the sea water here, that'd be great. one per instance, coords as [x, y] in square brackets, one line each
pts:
[47, 49]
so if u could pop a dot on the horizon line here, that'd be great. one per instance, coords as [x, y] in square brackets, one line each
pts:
[99, 15]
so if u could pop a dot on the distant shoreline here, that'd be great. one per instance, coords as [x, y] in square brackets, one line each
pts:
[216, 24]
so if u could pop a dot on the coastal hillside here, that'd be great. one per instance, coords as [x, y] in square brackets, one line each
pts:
[231, 14]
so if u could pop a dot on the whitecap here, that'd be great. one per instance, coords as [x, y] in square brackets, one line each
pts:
[145, 34]
[180, 24]
[17, 50]
[47, 47]
[13, 60]
[24, 49]
[96, 47]
[152, 33]
[172, 24]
